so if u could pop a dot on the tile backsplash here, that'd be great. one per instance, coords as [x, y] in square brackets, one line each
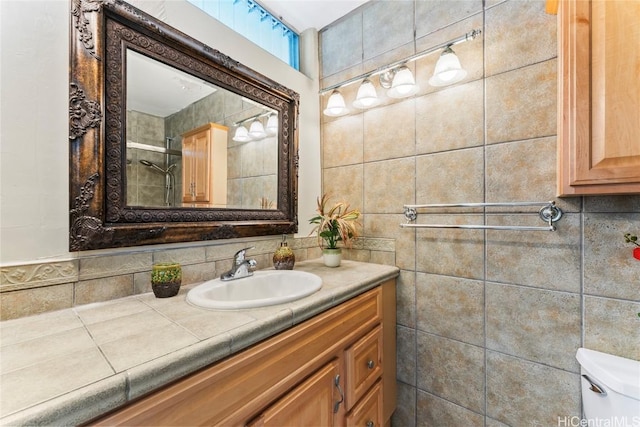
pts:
[37, 288]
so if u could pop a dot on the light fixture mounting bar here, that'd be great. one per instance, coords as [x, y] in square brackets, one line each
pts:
[463, 38]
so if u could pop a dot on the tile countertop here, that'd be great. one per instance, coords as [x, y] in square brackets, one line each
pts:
[69, 366]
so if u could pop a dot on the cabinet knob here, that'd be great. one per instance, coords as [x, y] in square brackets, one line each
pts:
[370, 364]
[370, 424]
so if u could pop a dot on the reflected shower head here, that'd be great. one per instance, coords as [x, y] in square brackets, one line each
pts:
[152, 166]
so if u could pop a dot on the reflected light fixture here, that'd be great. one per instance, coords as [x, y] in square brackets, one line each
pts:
[272, 125]
[448, 69]
[241, 135]
[367, 96]
[336, 106]
[256, 130]
[403, 84]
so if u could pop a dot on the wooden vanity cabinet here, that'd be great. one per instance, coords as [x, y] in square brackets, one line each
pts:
[599, 97]
[204, 165]
[337, 368]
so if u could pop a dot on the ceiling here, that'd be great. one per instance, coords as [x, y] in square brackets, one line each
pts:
[305, 14]
[167, 92]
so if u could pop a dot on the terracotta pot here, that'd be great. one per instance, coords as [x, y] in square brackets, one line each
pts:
[332, 257]
[636, 253]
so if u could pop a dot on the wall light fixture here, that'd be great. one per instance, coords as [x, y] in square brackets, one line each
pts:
[448, 69]
[398, 78]
[367, 96]
[336, 106]
[403, 84]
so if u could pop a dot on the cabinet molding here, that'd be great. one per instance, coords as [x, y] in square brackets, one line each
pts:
[599, 97]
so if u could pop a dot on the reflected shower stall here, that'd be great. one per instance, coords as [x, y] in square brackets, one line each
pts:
[153, 165]
[169, 180]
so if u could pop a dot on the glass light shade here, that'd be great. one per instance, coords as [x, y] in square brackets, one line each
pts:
[404, 84]
[256, 130]
[241, 135]
[448, 69]
[336, 105]
[272, 125]
[367, 96]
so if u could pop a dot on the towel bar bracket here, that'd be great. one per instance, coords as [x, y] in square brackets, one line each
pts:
[550, 213]
[410, 214]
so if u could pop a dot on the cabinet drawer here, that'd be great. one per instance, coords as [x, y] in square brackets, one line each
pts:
[363, 365]
[368, 413]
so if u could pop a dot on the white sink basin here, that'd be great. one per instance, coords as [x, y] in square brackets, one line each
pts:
[265, 287]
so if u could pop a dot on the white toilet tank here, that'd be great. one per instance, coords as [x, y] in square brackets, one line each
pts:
[610, 389]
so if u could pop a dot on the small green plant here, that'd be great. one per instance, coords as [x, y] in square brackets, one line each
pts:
[630, 238]
[336, 224]
[166, 273]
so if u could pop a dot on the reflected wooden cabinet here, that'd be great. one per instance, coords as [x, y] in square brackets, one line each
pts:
[204, 165]
[335, 369]
[599, 97]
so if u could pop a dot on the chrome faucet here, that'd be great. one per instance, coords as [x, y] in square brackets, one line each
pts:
[241, 266]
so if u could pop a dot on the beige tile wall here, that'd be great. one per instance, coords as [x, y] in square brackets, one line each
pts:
[488, 322]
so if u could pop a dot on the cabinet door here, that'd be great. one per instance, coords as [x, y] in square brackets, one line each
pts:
[188, 189]
[195, 167]
[201, 169]
[312, 403]
[599, 124]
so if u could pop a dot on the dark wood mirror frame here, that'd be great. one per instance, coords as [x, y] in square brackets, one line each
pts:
[101, 31]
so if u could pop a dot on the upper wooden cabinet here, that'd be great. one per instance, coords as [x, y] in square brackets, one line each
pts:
[204, 165]
[599, 97]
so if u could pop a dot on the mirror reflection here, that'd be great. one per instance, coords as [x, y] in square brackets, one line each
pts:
[193, 144]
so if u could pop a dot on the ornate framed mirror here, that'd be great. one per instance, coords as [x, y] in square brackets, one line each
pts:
[171, 140]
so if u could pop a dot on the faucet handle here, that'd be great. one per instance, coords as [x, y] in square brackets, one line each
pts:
[238, 258]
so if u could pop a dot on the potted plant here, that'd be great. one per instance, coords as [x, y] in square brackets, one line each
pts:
[337, 224]
[630, 238]
[166, 278]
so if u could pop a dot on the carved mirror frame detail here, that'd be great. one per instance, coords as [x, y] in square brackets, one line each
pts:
[99, 215]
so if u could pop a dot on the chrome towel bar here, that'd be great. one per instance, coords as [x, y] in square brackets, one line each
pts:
[549, 213]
